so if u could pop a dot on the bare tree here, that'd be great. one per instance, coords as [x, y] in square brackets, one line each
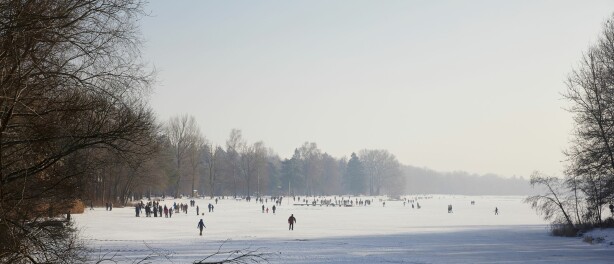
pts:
[590, 90]
[184, 136]
[253, 160]
[234, 144]
[312, 169]
[196, 154]
[382, 169]
[71, 82]
[554, 203]
[214, 155]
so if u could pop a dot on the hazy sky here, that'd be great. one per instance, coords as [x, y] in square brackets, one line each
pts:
[449, 85]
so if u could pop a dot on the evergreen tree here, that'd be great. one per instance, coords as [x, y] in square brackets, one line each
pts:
[354, 178]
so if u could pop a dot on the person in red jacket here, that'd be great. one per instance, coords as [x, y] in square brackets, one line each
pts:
[291, 221]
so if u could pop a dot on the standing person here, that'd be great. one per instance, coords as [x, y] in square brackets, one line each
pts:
[200, 226]
[263, 208]
[291, 221]
[274, 209]
[197, 210]
[496, 211]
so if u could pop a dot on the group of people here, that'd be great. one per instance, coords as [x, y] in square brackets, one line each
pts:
[334, 202]
[153, 208]
[267, 209]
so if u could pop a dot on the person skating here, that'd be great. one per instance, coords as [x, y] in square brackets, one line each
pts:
[496, 211]
[291, 221]
[200, 226]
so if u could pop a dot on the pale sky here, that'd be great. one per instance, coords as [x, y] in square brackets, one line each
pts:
[448, 85]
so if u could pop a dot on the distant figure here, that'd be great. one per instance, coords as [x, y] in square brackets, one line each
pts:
[384, 204]
[263, 208]
[110, 206]
[200, 226]
[291, 221]
[137, 210]
[197, 209]
[449, 208]
[496, 211]
[274, 209]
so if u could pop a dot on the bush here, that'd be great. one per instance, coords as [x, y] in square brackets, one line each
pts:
[564, 230]
[78, 207]
[608, 223]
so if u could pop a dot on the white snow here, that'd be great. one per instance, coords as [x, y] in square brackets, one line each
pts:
[602, 237]
[369, 234]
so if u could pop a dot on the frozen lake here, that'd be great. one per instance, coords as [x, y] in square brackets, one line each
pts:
[395, 233]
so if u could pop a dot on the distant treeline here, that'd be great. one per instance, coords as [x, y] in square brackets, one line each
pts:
[424, 180]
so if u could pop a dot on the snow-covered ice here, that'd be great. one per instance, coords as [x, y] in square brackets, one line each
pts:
[370, 234]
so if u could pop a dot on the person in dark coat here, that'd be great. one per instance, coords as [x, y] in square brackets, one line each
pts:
[291, 221]
[200, 226]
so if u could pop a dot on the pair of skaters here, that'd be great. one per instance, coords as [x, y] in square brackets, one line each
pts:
[291, 222]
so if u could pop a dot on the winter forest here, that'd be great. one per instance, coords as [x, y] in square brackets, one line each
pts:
[77, 131]
[184, 163]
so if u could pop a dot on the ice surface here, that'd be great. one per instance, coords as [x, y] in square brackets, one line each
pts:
[370, 234]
